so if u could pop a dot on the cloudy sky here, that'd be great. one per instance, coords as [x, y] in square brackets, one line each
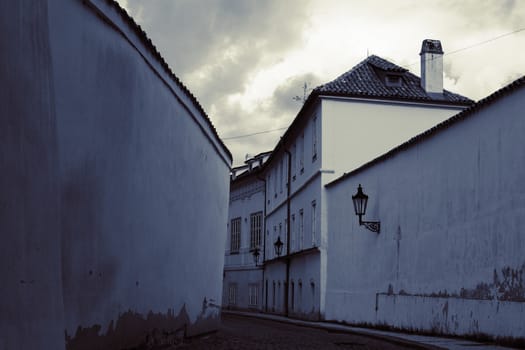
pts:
[246, 60]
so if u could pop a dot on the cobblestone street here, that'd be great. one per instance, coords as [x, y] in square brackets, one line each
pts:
[238, 332]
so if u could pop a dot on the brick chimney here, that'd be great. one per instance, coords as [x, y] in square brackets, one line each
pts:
[431, 66]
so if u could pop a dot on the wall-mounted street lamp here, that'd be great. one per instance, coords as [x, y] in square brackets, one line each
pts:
[278, 245]
[256, 253]
[360, 200]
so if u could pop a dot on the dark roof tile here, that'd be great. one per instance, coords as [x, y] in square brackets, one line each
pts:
[367, 80]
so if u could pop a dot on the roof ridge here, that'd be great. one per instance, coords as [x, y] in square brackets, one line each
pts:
[354, 68]
[394, 67]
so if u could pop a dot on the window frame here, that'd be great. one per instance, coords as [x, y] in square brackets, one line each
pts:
[301, 157]
[253, 294]
[232, 294]
[314, 139]
[255, 229]
[235, 235]
[301, 229]
[314, 222]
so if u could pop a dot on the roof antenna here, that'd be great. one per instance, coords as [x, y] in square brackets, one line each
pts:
[367, 54]
[305, 91]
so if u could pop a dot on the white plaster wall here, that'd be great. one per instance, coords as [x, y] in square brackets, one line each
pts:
[300, 137]
[356, 131]
[242, 277]
[246, 198]
[273, 220]
[452, 209]
[305, 270]
[305, 188]
[302, 200]
[128, 184]
[311, 164]
[31, 310]
[274, 273]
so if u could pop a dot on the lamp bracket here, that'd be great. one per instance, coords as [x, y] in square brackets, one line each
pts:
[374, 226]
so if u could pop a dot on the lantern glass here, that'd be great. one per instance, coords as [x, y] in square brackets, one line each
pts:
[256, 254]
[278, 245]
[360, 200]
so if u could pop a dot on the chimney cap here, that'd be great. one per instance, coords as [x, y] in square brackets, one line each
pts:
[431, 46]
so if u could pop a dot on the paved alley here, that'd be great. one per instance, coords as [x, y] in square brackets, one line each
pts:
[239, 332]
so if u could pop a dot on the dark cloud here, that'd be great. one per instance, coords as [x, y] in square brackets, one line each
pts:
[230, 38]
[288, 96]
[450, 71]
[482, 14]
[273, 113]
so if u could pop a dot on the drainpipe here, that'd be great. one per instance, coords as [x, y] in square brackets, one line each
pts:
[265, 292]
[288, 224]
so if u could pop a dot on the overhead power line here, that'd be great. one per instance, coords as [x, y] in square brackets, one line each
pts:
[485, 41]
[252, 134]
[476, 44]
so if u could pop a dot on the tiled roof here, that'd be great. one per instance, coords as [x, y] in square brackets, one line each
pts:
[367, 79]
[151, 47]
[471, 111]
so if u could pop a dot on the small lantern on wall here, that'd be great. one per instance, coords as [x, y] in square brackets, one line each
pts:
[256, 253]
[360, 201]
[278, 245]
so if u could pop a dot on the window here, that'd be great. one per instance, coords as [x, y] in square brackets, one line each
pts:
[293, 248]
[293, 296]
[235, 235]
[266, 246]
[232, 294]
[294, 159]
[281, 175]
[274, 238]
[253, 294]
[393, 80]
[301, 155]
[273, 297]
[281, 231]
[314, 139]
[255, 230]
[286, 234]
[301, 229]
[300, 296]
[314, 223]
[275, 183]
[269, 183]
[279, 295]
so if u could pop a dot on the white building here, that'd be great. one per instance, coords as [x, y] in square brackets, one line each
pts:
[450, 256]
[114, 184]
[243, 272]
[374, 101]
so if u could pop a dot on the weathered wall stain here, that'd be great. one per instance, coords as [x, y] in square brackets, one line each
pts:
[133, 330]
[130, 329]
[505, 286]
[508, 285]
